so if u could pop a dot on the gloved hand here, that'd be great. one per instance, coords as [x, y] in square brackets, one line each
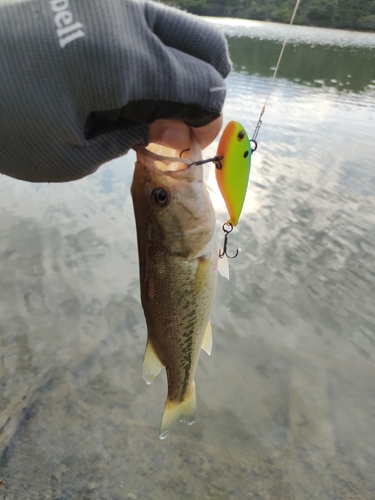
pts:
[81, 80]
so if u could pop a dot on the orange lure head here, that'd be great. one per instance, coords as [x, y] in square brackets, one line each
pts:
[233, 176]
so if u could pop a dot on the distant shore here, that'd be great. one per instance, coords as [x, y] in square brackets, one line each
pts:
[318, 13]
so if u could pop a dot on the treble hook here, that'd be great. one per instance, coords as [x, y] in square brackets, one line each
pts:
[216, 160]
[227, 231]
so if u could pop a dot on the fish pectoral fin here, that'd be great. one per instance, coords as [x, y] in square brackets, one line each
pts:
[174, 412]
[223, 266]
[151, 364]
[207, 340]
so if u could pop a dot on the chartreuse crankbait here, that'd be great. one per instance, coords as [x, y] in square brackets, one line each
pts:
[232, 162]
[233, 170]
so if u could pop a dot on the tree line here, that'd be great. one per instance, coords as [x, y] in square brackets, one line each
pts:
[345, 14]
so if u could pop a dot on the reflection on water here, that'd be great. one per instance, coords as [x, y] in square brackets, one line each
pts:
[348, 69]
[286, 402]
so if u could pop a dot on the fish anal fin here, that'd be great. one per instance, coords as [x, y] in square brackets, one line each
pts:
[207, 340]
[151, 364]
[178, 411]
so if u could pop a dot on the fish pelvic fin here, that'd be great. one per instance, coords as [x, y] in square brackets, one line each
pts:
[151, 364]
[178, 411]
[207, 340]
[223, 265]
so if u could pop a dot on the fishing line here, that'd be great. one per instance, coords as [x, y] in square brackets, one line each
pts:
[233, 158]
[258, 125]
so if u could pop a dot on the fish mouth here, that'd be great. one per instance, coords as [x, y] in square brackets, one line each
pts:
[168, 159]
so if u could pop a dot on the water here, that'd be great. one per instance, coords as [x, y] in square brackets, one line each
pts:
[286, 403]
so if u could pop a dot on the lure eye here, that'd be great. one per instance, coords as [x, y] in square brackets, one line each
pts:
[241, 135]
[160, 197]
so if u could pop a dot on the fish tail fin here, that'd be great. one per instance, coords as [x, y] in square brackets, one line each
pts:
[174, 412]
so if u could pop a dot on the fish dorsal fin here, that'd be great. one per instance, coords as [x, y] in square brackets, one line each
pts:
[223, 266]
[151, 364]
[178, 411]
[207, 340]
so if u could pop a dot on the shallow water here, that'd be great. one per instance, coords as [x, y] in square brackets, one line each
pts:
[286, 402]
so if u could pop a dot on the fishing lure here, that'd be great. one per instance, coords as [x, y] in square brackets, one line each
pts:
[232, 162]
[233, 169]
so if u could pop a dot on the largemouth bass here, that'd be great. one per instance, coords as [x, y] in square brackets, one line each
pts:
[178, 259]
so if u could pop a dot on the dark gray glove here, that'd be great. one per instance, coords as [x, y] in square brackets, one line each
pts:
[80, 80]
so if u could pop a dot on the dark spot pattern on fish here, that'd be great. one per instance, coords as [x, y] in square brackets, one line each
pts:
[189, 321]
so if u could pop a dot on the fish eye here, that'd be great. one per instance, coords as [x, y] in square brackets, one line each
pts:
[160, 197]
[241, 135]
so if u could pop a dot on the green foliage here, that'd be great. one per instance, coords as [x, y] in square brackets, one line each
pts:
[198, 7]
[321, 12]
[348, 14]
[366, 23]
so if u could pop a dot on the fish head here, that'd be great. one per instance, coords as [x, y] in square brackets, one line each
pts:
[171, 203]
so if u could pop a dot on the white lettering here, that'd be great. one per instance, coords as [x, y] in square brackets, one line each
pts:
[70, 38]
[59, 5]
[63, 18]
[67, 31]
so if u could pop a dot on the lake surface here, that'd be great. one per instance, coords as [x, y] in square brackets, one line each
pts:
[286, 402]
